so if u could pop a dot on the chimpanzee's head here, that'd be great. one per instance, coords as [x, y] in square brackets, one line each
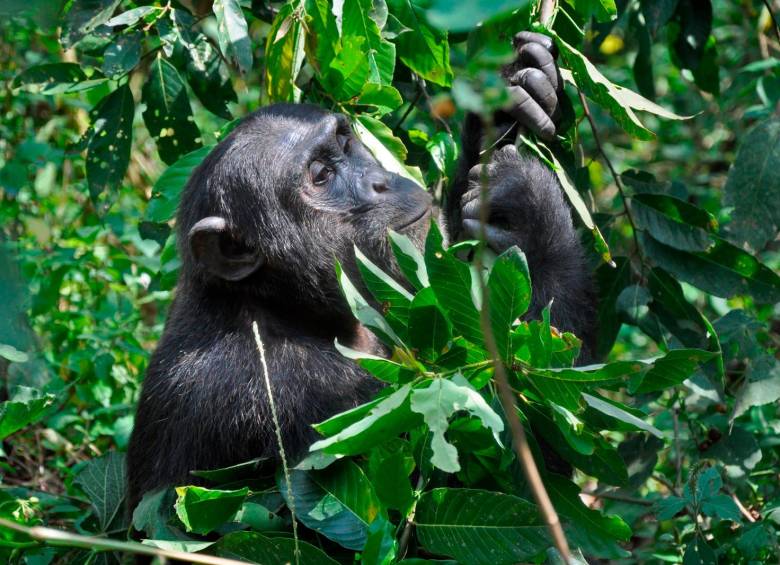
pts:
[287, 192]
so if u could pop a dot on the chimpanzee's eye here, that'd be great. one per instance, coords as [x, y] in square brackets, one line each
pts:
[320, 173]
[344, 142]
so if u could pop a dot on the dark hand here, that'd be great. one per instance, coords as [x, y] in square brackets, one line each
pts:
[518, 190]
[535, 84]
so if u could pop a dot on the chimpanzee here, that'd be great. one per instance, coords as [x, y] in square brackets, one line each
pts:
[260, 223]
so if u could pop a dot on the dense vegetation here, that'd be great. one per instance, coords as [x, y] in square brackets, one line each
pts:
[671, 159]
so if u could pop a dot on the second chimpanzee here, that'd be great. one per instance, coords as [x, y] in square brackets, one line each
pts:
[260, 223]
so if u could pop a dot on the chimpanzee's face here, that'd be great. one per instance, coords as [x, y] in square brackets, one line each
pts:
[290, 190]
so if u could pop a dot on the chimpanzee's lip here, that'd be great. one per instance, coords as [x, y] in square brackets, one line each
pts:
[426, 212]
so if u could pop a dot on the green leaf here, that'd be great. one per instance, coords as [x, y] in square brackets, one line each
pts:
[83, 17]
[131, 17]
[753, 185]
[356, 21]
[365, 314]
[232, 33]
[618, 101]
[437, 403]
[122, 55]
[429, 330]
[240, 471]
[614, 409]
[597, 534]
[673, 222]
[203, 510]
[383, 98]
[383, 369]
[669, 370]
[466, 15]
[761, 387]
[380, 546]
[394, 299]
[338, 502]
[55, 78]
[386, 148]
[25, 407]
[610, 282]
[451, 280]
[167, 190]
[699, 552]
[668, 508]
[410, 260]
[509, 288]
[103, 481]
[723, 270]
[479, 527]
[256, 548]
[384, 420]
[108, 150]
[389, 467]
[284, 54]
[208, 78]
[721, 506]
[423, 49]
[601, 10]
[168, 115]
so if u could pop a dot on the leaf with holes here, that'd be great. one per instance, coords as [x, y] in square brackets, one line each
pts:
[168, 115]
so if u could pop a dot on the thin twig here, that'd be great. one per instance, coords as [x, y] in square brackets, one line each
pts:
[278, 430]
[615, 175]
[742, 510]
[546, 10]
[421, 85]
[774, 20]
[519, 439]
[61, 538]
[667, 484]
[410, 108]
[677, 450]
[621, 498]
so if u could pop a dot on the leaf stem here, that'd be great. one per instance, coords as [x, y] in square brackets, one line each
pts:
[613, 172]
[62, 538]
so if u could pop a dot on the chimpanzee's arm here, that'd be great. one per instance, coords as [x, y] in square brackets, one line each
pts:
[527, 207]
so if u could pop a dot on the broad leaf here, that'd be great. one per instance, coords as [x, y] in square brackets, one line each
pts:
[509, 289]
[386, 148]
[103, 480]
[437, 403]
[410, 260]
[479, 527]
[723, 270]
[384, 420]
[167, 190]
[122, 55]
[232, 33]
[83, 17]
[55, 78]
[338, 502]
[753, 185]
[422, 48]
[168, 115]
[466, 15]
[108, 151]
[25, 407]
[429, 329]
[673, 222]
[203, 510]
[284, 50]
[254, 547]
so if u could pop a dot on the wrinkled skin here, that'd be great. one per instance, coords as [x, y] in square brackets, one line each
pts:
[260, 223]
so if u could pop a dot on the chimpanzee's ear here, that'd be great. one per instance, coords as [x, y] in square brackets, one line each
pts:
[215, 249]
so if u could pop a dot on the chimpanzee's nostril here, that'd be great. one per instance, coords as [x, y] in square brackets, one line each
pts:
[379, 186]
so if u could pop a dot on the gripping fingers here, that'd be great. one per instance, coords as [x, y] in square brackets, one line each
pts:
[530, 114]
[537, 84]
[545, 41]
[499, 240]
[534, 55]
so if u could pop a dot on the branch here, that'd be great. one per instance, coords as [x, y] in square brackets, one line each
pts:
[546, 11]
[519, 439]
[61, 538]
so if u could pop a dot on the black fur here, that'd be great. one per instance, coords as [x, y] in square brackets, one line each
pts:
[258, 238]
